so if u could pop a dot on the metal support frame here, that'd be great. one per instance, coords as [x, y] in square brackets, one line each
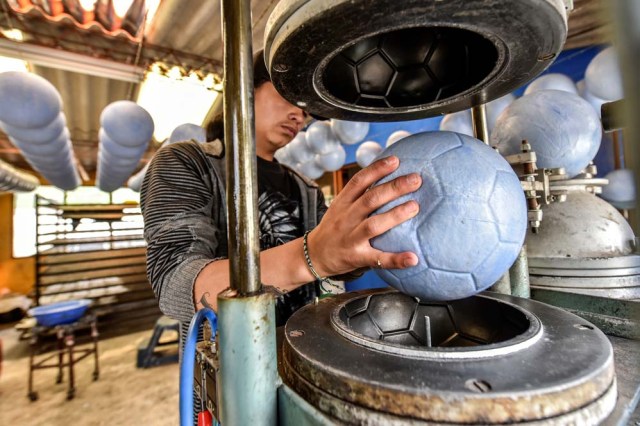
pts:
[65, 345]
[247, 338]
[519, 275]
[615, 317]
[239, 136]
[481, 132]
[479, 121]
[248, 370]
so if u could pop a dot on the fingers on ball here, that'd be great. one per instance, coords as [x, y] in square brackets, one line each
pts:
[379, 224]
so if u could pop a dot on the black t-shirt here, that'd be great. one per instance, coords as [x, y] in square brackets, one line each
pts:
[280, 218]
[279, 205]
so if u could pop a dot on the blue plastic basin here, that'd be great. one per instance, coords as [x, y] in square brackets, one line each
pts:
[60, 313]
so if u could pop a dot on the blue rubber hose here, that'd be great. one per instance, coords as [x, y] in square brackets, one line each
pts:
[188, 360]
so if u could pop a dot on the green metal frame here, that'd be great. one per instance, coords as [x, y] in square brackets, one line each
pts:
[615, 317]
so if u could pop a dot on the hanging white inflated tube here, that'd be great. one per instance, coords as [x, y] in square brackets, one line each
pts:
[31, 114]
[126, 129]
[14, 180]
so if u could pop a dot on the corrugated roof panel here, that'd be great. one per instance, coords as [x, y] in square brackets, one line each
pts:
[200, 32]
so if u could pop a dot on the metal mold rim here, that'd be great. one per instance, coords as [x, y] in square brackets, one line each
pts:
[291, 17]
[358, 378]
[325, 95]
[523, 341]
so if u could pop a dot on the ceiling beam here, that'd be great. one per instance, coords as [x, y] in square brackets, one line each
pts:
[69, 61]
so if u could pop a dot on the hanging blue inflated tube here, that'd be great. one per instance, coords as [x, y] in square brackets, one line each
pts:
[126, 131]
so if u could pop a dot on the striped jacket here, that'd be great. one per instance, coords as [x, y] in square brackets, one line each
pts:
[184, 208]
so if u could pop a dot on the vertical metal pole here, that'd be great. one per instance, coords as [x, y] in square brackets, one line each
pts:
[519, 275]
[38, 202]
[239, 136]
[479, 119]
[503, 285]
[248, 361]
[626, 15]
[479, 122]
[616, 150]
[246, 316]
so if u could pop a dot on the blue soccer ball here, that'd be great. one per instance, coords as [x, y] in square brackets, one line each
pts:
[563, 129]
[472, 220]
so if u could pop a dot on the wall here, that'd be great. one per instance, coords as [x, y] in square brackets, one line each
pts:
[16, 275]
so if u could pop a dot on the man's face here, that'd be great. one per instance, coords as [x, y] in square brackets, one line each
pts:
[277, 121]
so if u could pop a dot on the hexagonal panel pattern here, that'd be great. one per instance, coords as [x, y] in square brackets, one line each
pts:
[411, 84]
[472, 218]
[374, 75]
[394, 46]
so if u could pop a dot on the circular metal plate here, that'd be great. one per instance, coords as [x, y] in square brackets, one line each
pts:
[389, 60]
[618, 266]
[569, 368]
[625, 287]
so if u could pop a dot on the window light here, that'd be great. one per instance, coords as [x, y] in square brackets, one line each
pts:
[120, 7]
[13, 34]
[12, 64]
[174, 101]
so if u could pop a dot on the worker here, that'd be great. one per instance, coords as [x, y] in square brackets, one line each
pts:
[184, 207]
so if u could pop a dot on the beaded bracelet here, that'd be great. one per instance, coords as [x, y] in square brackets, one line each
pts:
[306, 256]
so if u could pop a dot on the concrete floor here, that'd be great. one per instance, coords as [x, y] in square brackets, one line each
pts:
[124, 395]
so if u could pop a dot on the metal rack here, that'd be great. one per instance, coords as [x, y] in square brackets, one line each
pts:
[104, 262]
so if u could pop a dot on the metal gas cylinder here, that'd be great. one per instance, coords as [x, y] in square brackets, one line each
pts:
[584, 246]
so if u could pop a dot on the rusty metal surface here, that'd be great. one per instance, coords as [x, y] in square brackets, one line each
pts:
[626, 353]
[569, 368]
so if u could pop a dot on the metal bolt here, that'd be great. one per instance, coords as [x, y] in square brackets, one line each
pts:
[296, 333]
[546, 57]
[583, 327]
[280, 68]
[477, 385]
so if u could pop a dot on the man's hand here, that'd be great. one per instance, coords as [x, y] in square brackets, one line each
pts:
[340, 243]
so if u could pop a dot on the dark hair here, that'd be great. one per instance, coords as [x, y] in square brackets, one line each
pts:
[215, 128]
[260, 72]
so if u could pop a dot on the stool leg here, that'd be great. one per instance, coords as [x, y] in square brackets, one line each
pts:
[94, 334]
[61, 349]
[70, 343]
[33, 396]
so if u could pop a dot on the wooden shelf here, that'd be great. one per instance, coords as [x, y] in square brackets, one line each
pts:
[94, 264]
